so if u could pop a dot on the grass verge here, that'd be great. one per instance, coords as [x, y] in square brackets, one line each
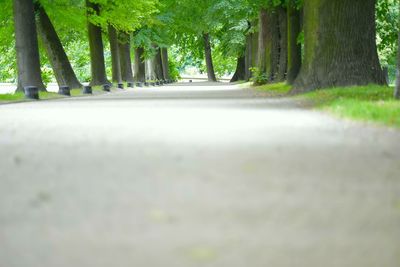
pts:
[372, 103]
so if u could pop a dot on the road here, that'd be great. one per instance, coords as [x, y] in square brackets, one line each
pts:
[194, 175]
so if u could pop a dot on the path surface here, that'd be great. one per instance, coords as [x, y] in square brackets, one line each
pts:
[201, 175]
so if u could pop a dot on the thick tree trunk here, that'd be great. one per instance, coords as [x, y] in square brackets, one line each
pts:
[158, 68]
[268, 44]
[59, 61]
[397, 88]
[283, 56]
[26, 43]
[140, 67]
[254, 49]
[165, 63]
[264, 42]
[98, 69]
[294, 48]
[240, 73]
[125, 57]
[340, 47]
[248, 57]
[275, 56]
[208, 56]
[115, 55]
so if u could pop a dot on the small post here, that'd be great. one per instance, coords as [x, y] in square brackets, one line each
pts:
[386, 74]
[64, 90]
[139, 84]
[130, 84]
[106, 88]
[146, 84]
[121, 86]
[87, 90]
[31, 92]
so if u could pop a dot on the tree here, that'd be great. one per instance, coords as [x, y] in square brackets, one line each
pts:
[294, 47]
[165, 63]
[62, 68]
[125, 56]
[29, 73]
[340, 47]
[208, 57]
[97, 62]
[140, 68]
[397, 87]
[115, 54]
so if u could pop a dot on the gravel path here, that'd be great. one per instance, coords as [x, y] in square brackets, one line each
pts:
[199, 175]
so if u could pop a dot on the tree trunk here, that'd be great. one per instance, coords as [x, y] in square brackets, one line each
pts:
[340, 47]
[264, 42]
[268, 44]
[165, 63]
[275, 44]
[59, 61]
[26, 44]
[283, 44]
[140, 67]
[397, 88]
[248, 57]
[208, 56]
[254, 49]
[115, 55]
[125, 57]
[294, 48]
[240, 73]
[98, 69]
[158, 68]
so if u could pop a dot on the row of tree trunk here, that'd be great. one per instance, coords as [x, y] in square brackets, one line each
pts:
[27, 29]
[339, 45]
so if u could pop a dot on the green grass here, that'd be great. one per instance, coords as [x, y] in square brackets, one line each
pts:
[19, 96]
[370, 103]
[278, 89]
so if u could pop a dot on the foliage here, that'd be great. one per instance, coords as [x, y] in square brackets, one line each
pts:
[259, 77]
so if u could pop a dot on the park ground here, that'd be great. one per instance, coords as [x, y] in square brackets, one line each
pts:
[196, 175]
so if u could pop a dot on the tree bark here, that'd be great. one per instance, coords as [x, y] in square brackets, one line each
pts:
[283, 44]
[125, 57]
[264, 42]
[268, 44]
[248, 57]
[294, 48]
[115, 55]
[397, 87]
[158, 68]
[59, 61]
[240, 73]
[165, 63]
[208, 56]
[140, 67]
[275, 44]
[340, 46]
[26, 44]
[98, 69]
[254, 49]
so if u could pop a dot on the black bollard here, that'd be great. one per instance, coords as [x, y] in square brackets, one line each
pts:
[130, 84]
[139, 84]
[31, 92]
[157, 83]
[121, 86]
[146, 84]
[64, 90]
[87, 90]
[153, 84]
[106, 87]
